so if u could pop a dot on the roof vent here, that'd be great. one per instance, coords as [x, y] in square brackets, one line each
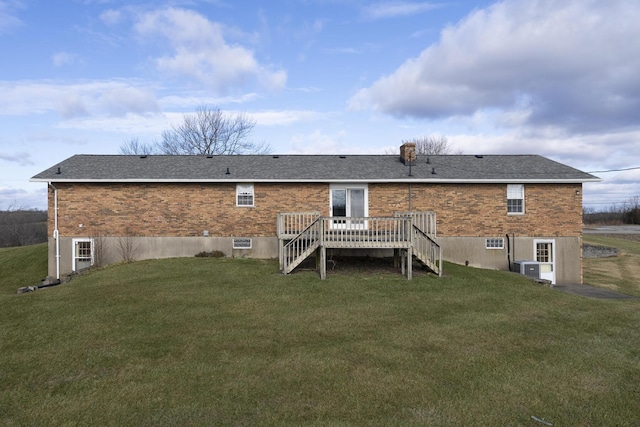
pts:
[479, 156]
[433, 171]
[428, 161]
[276, 157]
[209, 156]
[144, 156]
[343, 157]
[58, 172]
[227, 172]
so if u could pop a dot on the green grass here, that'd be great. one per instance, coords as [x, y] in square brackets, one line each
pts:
[620, 273]
[203, 341]
[22, 266]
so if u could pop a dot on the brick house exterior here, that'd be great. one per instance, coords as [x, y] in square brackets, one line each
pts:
[166, 206]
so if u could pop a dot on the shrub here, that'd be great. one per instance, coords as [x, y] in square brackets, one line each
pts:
[210, 254]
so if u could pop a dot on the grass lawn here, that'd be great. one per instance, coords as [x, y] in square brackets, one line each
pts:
[621, 273]
[203, 341]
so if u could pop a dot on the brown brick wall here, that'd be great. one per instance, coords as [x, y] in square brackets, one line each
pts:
[189, 209]
[179, 209]
[481, 209]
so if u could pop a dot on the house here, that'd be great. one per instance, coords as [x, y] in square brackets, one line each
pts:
[481, 210]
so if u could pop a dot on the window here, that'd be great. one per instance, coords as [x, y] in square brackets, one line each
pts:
[244, 195]
[82, 254]
[241, 243]
[544, 252]
[515, 198]
[494, 243]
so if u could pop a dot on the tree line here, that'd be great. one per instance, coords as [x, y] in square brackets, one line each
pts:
[628, 213]
[22, 227]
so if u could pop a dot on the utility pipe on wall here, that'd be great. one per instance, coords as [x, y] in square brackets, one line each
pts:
[55, 228]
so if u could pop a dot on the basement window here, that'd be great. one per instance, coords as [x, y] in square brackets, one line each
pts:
[241, 243]
[515, 199]
[244, 195]
[494, 243]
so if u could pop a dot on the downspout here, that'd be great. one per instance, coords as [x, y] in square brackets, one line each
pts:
[508, 252]
[56, 235]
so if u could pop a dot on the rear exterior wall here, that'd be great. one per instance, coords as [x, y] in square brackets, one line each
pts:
[186, 210]
[160, 214]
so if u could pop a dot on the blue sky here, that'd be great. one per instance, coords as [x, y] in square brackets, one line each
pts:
[556, 78]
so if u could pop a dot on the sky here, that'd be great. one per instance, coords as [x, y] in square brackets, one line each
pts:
[556, 78]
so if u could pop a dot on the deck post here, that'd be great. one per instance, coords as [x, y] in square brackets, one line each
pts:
[409, 263]
[323, 262]
[402, 263]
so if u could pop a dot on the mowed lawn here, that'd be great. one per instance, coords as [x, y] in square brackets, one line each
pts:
[202, 341]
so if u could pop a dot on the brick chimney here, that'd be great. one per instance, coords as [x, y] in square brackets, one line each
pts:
[408, 152]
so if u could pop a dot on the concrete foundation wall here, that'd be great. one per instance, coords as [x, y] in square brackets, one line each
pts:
[472, 250]
[109, 250]
[460, 250]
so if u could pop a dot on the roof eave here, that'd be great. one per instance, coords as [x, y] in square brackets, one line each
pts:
[360, 181]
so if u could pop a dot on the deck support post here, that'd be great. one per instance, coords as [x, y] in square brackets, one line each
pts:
[323, 262]
[409, 263]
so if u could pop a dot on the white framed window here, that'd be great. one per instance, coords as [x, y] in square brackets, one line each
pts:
[494, 243]
[244, 195]
[349, 201]
[82, 254]
[240, 243]
[515, 199]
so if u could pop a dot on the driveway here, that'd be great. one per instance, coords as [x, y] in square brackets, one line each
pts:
[612, 229]
[592, 292]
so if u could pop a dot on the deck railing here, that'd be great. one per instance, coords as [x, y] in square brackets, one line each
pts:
[293, 223]
[414, 233]
[299, 248]
[366, 232]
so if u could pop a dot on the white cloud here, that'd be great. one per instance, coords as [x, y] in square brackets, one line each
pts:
[128, 124]
[23, 159]
[392, 9]
[17, 198]
[61, 59]
[111, 17]
[287, 117]
[319, 142]
[199, 51]
[570, 64]
[109, 97]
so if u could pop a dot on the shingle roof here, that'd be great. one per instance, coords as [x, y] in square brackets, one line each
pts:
[311, 168]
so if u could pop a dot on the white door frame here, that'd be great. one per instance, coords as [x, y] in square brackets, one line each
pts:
[547, 269]
[346, 223]
[74, 253]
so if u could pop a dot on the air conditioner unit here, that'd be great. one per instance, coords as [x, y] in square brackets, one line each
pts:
[528, 268]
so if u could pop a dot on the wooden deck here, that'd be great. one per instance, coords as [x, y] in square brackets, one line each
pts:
[412, 234]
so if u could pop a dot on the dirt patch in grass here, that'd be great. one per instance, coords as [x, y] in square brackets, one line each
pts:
[361, 265]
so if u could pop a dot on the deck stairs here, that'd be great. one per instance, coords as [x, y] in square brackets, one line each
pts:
[412, 234]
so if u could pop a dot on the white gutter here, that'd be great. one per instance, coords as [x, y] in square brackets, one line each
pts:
[369, 181]
[55, 228]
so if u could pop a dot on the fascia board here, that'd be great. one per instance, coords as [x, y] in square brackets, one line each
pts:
[359, 181]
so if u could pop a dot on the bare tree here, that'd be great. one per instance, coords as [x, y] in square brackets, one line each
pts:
[99, 249]
[431, 145]
[20, 227]
[129, 246]
[208, 131]
[134, 146]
